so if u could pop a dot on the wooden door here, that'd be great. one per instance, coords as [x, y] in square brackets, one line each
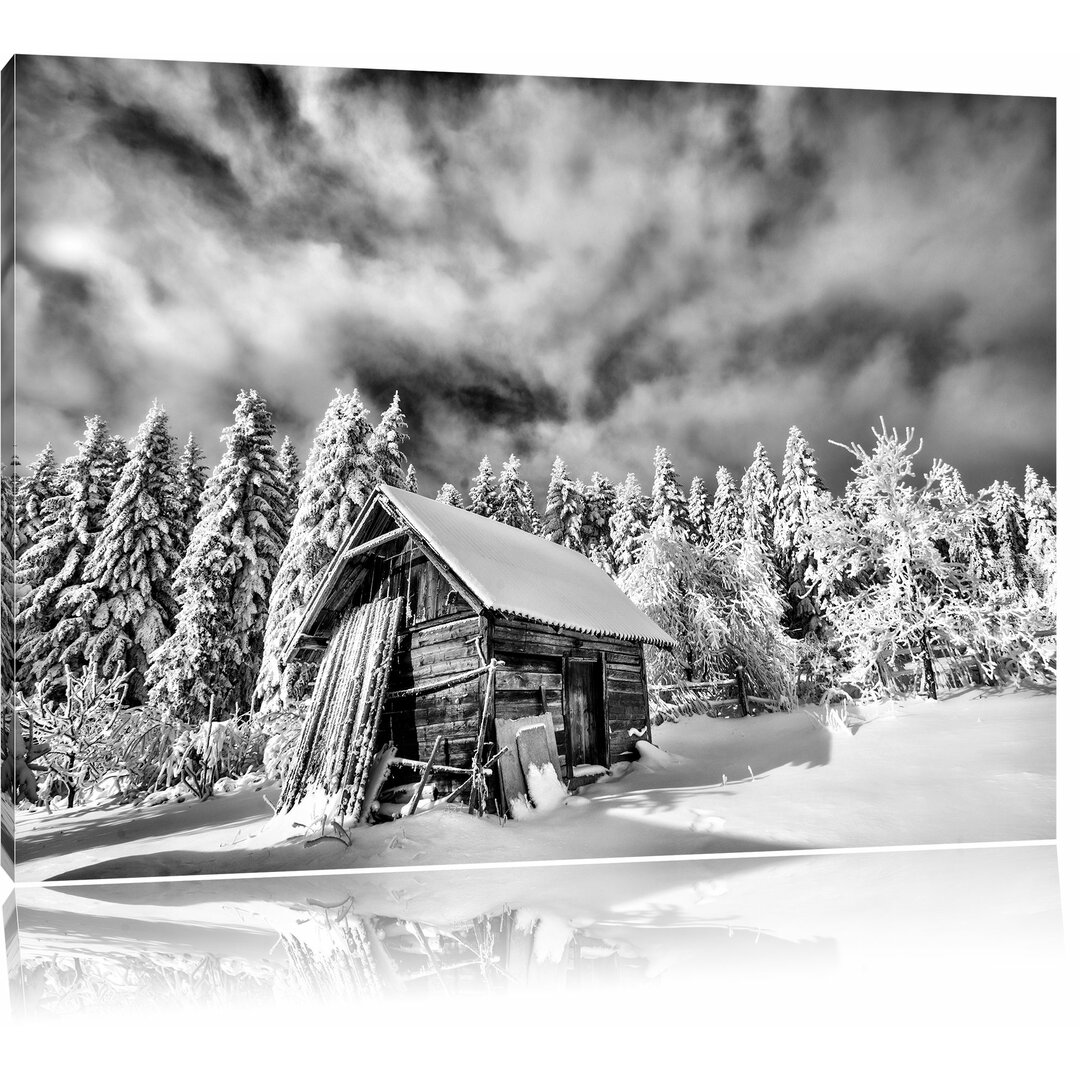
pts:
[587, 744]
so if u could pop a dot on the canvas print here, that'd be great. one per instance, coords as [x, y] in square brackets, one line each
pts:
[414, 468]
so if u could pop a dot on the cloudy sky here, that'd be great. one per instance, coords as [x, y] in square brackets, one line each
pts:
[539, 265]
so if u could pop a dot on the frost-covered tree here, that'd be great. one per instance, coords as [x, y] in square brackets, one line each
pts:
[800, 490]
[117, 454]
[629, 522]
[668, 500]
[718, 602]
[387, 445]
[1009, 529]
[890, 593]
[596, 522]
[697, 509]
[725, 514]
[32, 492]
[484, 492]
[410, 480]
[564, 510]
[289, 467]
[128, 575]
[51, 611]
[973, 548]
[224, 580]
[7, 580]
[1040, 509]
[191, 480]
[758, 495]
[450, 495]
[338, 478]
[515, 505]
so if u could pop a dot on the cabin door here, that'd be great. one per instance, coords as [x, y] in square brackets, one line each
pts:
[585, 727]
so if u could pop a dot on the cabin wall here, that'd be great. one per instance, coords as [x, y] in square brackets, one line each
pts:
[533, 657]
[428, 653]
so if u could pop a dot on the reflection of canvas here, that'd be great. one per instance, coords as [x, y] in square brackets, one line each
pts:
[476, 550]
[594, 929]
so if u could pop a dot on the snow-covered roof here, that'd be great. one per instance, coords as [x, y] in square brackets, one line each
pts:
[516, 573]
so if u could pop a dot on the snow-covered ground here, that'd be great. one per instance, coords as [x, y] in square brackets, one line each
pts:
[978, 766]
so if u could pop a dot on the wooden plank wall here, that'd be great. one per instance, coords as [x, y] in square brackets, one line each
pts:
[533, 657]
[426, 653]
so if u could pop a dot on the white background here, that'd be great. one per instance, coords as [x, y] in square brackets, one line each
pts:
[875, 1022]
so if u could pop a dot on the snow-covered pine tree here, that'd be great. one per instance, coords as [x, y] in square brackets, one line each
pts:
[800, 490]
[629, 522]
[596, 523]
[128, 575]
[697, 509]
[224, 580]
[51, 610]
[191, 481]
[668, 500]
[410, 480]
[564, 510]
[759, 494]
[1009, 530]
[338, 478]
[117, 454]
[484, 492]
[387, 445]
[1040, 509]
[515, 505]
[289, 465]
[7, 580]
[33, 491]
[725, 516]
[450, 495]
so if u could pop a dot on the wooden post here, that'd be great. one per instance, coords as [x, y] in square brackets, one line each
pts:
[740, 680]
[423, 778]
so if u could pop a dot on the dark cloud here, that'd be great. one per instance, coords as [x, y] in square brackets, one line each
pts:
[539, 266]
[142, 131]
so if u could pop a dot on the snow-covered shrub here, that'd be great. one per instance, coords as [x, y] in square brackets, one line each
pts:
[718, 602]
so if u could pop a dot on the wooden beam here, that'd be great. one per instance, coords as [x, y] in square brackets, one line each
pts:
[376, 542]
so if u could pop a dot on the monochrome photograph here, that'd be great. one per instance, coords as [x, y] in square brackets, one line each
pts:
[408, 469]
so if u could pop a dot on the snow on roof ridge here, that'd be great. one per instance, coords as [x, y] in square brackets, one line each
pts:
[564, 589]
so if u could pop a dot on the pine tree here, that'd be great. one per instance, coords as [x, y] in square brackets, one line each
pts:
[450, 495]
[516, 506]
[725, 516]
[1009, 530]
[484, 492]
[289, 466]
[596, 522]
[668, 500]
[564, 510]
[410, 480]
[128, 575]
[117, 454]
[32, 492]
[1040, 509]
[191, 480]
[7, 580]
[800, 491]
[629, 522]
[224, 580]
[338, 478]
[386, 445]
[973, 546]
[759, 499]
[52, 611]
[697, 508]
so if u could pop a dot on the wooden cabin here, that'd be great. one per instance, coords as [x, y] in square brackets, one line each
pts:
[566, 639]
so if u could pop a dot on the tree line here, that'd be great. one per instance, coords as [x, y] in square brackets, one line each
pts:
[134, 559]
